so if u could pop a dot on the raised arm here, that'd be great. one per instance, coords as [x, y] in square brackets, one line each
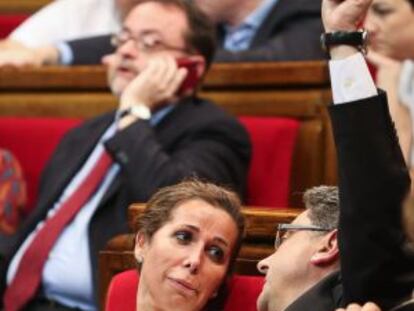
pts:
[373, 178]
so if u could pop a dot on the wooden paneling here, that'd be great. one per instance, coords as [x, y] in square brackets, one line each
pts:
[21, 6]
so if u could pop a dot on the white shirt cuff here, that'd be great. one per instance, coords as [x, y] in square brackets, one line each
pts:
[351, 79]
[65, 53]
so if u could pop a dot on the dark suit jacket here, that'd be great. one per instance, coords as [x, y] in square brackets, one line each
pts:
[373, 180]
[196, 138]
[290, 32]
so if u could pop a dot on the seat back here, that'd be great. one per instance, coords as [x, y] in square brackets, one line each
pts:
[273, 140]
[9, 22]
[243, 292]
[32, 141]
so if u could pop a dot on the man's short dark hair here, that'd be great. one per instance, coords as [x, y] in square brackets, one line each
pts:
[322, 203]
[201, 35]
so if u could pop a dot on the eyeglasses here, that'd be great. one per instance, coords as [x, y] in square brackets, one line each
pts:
[282, 229]
[146, 43]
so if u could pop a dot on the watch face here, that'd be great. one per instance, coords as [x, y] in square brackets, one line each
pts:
[140, 111]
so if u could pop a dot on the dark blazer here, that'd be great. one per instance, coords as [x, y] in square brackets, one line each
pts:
[373, 180]
[196, 138]
[290, 32]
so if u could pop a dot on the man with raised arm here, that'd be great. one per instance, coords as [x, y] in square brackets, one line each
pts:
[375, 264]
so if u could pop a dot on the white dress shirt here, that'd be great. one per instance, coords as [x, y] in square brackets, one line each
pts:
[351, 79]
[63, 20]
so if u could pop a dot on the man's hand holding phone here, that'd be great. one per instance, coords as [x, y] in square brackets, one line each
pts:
[162, 80]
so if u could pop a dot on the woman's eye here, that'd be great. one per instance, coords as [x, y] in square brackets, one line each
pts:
[216, 254]
[183, 237]
[381, 11]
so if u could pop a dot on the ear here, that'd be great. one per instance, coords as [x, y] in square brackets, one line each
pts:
[200, 64]
[140, 245]
[328, 251]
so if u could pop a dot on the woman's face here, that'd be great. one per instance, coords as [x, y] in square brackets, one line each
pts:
[390, 24]
[186, 260]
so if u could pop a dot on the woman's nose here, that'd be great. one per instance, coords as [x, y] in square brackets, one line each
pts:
[194, 260]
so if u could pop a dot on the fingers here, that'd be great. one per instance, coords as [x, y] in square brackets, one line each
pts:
[343, 15]
[355, 307]
[379, 59]
[15, 58]
[165, 76]
[370, 307]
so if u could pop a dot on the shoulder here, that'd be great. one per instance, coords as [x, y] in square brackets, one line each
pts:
[203, 112]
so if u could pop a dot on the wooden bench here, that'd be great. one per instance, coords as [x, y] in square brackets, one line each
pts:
[297, 90]
[257, 244]
[21, 6]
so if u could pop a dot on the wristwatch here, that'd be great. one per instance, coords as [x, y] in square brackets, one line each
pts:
[138, 110]
[358, 39]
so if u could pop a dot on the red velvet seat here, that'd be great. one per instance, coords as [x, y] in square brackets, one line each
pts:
[243, 294]
[9, 22]
[32, 140]
[273, 140]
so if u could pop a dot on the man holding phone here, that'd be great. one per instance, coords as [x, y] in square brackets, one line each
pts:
[160, 134]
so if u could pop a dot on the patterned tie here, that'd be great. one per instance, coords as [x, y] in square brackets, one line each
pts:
[29, 272]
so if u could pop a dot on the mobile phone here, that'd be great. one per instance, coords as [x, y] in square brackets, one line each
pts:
[192, 78]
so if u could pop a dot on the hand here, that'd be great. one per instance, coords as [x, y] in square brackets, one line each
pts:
[156, 84]
[343, 15]
[17, 55]
[388, 70]
[366, 307]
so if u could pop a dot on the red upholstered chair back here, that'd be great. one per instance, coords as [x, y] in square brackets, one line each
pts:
[32, 141]
[243, 294]
[9, 22]
[273, 141]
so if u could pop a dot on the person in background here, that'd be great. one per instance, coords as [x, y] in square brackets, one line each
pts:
[159, 135]
[265, 30]
[58, 22]
[248, 30]
[376, 264]
[390, 24]
[63, 20]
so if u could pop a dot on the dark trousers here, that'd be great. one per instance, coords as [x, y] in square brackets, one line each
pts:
[43, 304]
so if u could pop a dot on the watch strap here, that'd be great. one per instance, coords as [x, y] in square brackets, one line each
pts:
[358, 39]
